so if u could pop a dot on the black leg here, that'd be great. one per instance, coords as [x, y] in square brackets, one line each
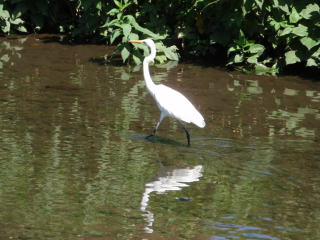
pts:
[152, 134]
[155, 130]
[188, 135]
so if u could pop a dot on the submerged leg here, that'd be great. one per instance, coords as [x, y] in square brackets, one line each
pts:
[157, 126]
[187, 133]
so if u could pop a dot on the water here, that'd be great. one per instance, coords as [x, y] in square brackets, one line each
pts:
[74, 163]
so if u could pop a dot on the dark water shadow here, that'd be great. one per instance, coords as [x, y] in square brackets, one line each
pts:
[299, 69]
[116, 61]
[157, 139]
[67, 40]
[194, 147]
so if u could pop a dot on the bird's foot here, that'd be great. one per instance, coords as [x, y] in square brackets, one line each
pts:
[149, 136]
[152, 134]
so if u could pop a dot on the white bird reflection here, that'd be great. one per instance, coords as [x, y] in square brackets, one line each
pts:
[170, 180]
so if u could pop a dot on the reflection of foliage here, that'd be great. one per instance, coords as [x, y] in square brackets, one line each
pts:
[71, 169]
[249, 91]
[8, 50]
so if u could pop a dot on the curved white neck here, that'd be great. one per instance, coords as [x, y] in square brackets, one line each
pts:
[150, 84]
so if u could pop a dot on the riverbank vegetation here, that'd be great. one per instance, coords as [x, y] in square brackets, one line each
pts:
[264, 36]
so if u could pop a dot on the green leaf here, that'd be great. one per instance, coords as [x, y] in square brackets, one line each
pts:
[252, 59]
[113, 12]
[262, 69]
[125, 54]
[22, 29]
[310, 8]
[144, 48]
[6, 28]
[118, 4]
[285, 8]
[294, 16]
[285, 31]
[115, 34]
[230, 50]
[99, 5]
[133, 36]
[17, 21]
[309, 42]
[171, 53]
[126, 28]
[256, 48]
[161, 58]
[238, 58]
[4, 14]
[311, 63]
[259, 3]
[301, 30]
[291, 57]
[135, 57]
[275, 24]
[143, 30]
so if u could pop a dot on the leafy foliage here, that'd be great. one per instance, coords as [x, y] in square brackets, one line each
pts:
[125, 27]
[10, 20]
[258, 35]
[263, 36]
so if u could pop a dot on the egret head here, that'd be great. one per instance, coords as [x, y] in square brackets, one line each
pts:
[150, 43]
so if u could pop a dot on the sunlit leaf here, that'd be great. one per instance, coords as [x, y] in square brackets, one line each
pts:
[256, 48]
[136, 58]
[309, 42]
[252, 59]
[126, 28]
[143, 30]
[22, 29]
[161, 58]
[294, 16]
[125, 54]
[291, 57]
[4, 14]
[285, 31]
[238, 58]
[275, 24]
[99, 5]
[133, 36]
[6, 27]
[311, 63]
[115, 34]
[230, 50]
[284, 7]
[117, 3]
[259, 3]
[310, 8]
[301, 30]
[171, 53]
[144, 48]
[17, 21]
[113, 12]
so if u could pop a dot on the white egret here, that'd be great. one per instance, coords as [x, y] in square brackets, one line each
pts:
[171, 103]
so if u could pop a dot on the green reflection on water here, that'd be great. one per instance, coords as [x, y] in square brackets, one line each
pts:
[74, 163]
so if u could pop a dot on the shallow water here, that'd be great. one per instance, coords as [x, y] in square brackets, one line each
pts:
[74, 163]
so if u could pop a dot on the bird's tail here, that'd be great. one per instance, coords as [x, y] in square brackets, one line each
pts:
[200, 123]
[198, 120]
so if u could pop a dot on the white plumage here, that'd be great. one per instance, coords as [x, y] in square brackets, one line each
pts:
[175, 105]
[171, 103]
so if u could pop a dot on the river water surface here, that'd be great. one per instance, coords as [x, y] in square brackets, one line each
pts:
[74, 163]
